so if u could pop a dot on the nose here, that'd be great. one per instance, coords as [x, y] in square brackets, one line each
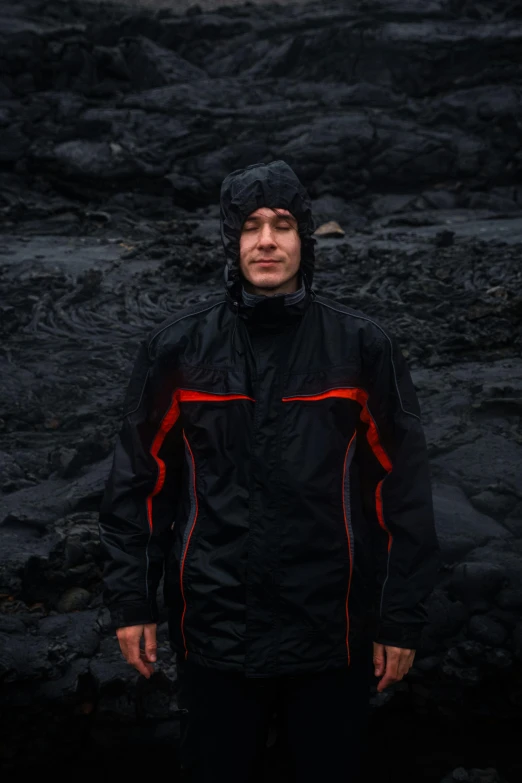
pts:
[266, 235]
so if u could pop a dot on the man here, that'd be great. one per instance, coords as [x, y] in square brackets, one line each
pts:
[271, 461]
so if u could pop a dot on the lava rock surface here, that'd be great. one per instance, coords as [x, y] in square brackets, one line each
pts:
[117, 126]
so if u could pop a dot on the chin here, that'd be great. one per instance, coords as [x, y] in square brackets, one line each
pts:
[267, 283]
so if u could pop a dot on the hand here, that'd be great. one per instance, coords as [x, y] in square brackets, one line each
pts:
[397, 660]
[129, 639]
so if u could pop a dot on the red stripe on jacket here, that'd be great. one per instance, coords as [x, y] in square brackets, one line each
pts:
[168, 421]
[372, 435]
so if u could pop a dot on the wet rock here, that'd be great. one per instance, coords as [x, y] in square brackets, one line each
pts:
[40, 505]
[63, 690]
[460, 527]
[510, 599]
[328, 208]
[73, 600]
[22, 656]
[474, 775]
[330, 229]
[474, 581]
[465, 465]
[489, 662]
[494, 504]
[446, 616]
[67, 462]
[12, 473]
[21, 543]
[62, 459]
[461, 133]
[514, 525]
[79, 158]
[517, 641]
[76, 632]
[74, 552]
[444, 238]
[109, 666]
[150, 65]
[499, 659]
[11, 624]
[117, 133]
[15, 144]
[457, 669]
[40, 568]
[486, 630]
[505, 554]
[156, 698]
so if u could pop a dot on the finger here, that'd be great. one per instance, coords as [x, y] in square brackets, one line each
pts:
[149, 633]
[144, 659]
[142, 667]
[391, 673]
[127, 637]
[125, 647]
[404, 667]
[393, 659]
[405, 662]
[378, 659]
[384, 682]
[136, 660]
[402, 670]
[133, 651]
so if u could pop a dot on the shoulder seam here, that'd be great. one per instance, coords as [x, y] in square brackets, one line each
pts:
[370, 320]
[181, 318]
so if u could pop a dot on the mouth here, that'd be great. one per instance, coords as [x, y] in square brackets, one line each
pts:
[266, 261]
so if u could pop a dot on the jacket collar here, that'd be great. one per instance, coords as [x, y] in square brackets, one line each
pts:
[272, 310]
[251, 300]
[268, 314]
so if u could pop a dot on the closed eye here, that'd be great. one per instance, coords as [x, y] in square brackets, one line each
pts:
[281, 228]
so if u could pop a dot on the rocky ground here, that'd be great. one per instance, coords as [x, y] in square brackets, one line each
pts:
[117, 125]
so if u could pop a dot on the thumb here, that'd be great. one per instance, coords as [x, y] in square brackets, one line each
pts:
[378, 659]
[149, 633]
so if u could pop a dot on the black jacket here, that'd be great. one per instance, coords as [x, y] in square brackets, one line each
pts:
[271, 461]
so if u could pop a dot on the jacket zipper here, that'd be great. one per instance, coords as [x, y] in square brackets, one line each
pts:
[254, 431]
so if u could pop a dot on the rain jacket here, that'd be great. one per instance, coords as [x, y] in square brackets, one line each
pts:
[271, 464]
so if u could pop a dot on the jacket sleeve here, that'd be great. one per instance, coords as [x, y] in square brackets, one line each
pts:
[138, 506]
[396, 496]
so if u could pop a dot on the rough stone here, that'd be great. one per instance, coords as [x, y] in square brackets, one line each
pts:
[118, 126]
[485, 629]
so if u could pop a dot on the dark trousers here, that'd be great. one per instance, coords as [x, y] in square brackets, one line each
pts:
[320, 721]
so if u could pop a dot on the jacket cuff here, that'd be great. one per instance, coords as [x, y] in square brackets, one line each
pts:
[133, 613]
[405, 636]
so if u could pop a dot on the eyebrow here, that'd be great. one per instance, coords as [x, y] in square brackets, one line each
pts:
[256, 218]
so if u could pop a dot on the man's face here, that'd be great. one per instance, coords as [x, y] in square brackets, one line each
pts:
[267, 235]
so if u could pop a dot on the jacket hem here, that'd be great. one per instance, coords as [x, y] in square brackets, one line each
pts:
[307, 667]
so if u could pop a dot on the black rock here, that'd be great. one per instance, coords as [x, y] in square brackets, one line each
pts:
[485, 629]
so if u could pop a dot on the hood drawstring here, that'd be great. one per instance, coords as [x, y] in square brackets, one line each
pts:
[308, 285]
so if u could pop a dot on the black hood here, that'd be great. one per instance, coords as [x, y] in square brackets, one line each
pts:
[263, 185]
